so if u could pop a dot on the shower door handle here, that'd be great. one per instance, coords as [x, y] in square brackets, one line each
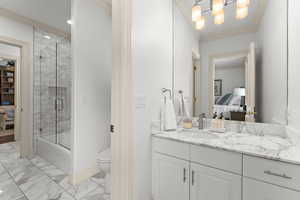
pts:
[55, 104]
[59, 104]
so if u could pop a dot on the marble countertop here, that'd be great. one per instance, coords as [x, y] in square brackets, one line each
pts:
[267, 146]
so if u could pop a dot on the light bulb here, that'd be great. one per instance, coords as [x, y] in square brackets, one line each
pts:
[200, 23]
[241, 13]
[220, 18]
[217, 7]
[242, 3]
[196, 13]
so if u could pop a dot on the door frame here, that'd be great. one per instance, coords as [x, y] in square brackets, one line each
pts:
[122, 101]
[211, 74]
[25, 101]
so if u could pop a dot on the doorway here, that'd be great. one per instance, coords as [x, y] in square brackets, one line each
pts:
[22, 98]
[9, 93]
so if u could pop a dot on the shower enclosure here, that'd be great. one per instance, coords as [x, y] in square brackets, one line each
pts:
[52, 91]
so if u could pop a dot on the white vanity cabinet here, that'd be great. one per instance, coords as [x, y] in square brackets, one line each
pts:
[183, 171]
[170, 178]
[209, 183]
[256, 190]
[176, 177]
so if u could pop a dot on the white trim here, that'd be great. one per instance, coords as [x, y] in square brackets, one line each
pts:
[122, 117]
[26, 94]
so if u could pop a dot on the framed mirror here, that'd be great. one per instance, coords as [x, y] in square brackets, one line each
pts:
[232, 64]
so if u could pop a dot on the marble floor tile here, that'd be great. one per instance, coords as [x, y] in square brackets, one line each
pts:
[1, 169]
[22, 198]
[99, 178]
[36, 179]
[39, 162]
[54, 173]
[80, 190]
[23, 171]
[8, 153]
[43, 188]
[94, 195]
[8, 189]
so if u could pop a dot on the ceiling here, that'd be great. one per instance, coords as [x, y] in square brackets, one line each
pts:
[230, 62]
[53, 13]
[232, 26]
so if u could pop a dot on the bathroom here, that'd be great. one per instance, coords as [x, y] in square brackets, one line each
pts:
[153, 100]
[61, 147]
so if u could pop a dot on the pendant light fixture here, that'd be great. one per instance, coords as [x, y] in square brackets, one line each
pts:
[220, 18]
[242, 3]
[196, 12]
[217, 9]
[241, 13]
[200, 24]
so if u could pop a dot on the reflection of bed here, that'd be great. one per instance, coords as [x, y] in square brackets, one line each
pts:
[225, 109]
[229, 100]
[226, 104]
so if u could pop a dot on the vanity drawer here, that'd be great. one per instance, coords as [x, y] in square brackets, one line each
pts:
[172, 148]
[275, 172]
[220, 159]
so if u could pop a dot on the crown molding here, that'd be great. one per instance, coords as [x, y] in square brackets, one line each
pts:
[36, 24]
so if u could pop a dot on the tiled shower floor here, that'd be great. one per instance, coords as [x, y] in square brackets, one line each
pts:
[36, 179]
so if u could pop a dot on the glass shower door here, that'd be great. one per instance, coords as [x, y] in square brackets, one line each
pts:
[52, 108]
[64, 83]
[47, 92]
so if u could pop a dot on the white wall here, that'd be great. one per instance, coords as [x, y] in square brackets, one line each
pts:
[9, 50]
[272, 64]
[13, 29]
[92, 63]
[185, 40]
[212, 48]
[232, 77]
[152, 62]
[294, 63]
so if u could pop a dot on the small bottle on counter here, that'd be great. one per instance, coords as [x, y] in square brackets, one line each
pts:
[187, 123]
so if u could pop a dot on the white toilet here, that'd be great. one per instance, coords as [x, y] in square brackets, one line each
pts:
[104, 162]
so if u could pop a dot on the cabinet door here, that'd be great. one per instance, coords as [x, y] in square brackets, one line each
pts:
[212, 184]
[255, 190]
[170, 178]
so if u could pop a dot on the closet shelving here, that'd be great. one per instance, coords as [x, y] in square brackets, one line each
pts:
[7, 85]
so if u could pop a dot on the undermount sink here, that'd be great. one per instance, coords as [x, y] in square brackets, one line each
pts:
[199, 134]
